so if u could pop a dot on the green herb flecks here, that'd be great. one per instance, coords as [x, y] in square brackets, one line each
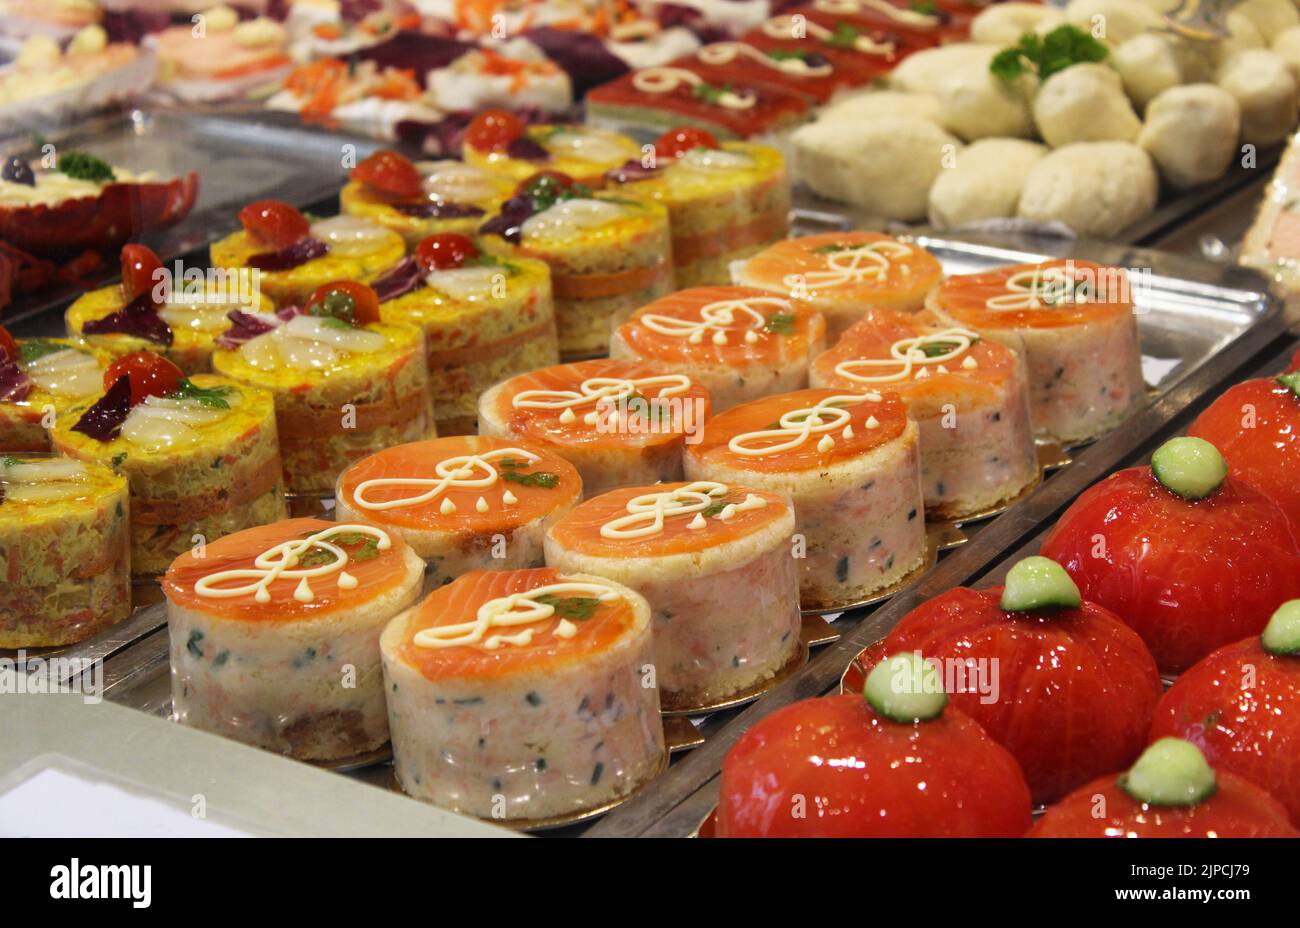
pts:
[781, 323]
[939, 349]
[82, 165]
[640, 405]
[538, 478]
[486, 260]
[1047, 55]
[36, 348]
[711, 93]
[212, 397]
[834, 248]
[844, 36]
[578, 608]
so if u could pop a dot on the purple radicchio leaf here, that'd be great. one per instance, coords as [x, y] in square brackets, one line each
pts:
[300, 252]
[139, 318]
[630, 170]
[243, 327]
[288, 312]
[416, 52]
[580, 55]
[104, 420]
[15, 386]
[670, 15]
[527, 149]
[406, 276]
[509, 223]
[432, 209]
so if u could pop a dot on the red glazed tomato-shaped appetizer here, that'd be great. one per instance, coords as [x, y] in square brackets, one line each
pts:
[1256, 425]
[1241, 707]
[1064, 685]
[897, 764]
[1171, 792]
[1189, 557]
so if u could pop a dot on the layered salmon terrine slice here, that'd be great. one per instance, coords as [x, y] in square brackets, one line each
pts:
[918, 27]
[716, 564]
[608, 254]
[345, 384]
[40, 379]
[725, 200]
[64, 550]
[151, 310]
[851, 464]
[966, 393]
[522, 695]
[739, 342]
[1074, 323]
[858, 54]
[201, 454]
[497, 141]
[484, 319]
[463, 503]
[296, 256]
[423, 198]
[844, 274]
[275, 634]
[620, 423]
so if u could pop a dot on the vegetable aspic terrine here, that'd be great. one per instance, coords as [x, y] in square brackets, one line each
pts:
[740, 343]
[966, 393]
[40, 379]
[715, 562]
[842, 275]
[525, 694]
[463, 503]
[65, 554]
[275, 634]
[1074, 322]
[851, 464]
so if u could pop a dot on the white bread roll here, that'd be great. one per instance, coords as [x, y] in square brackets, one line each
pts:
[1097, 188]
[1191, 133]
[973, 103]
[1085, 103]
[1267, 93]
[1004, 23]
[986, 182]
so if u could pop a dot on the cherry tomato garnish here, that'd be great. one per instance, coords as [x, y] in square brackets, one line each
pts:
[150, 375]
[440, 252]
[273, 222]
[8, 347]
[139, 266]
[352, 302]
[493, 130]
[676, 142]
[389, 173]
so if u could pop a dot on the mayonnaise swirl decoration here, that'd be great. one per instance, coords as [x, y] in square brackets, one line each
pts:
[1036, 288]
[666, 80]
[466, 471]
[721, 53]
[597, 392]
[908, 355]
[717, 317]
[647, 513]
[871, 261]
[786, 26]
[799, 425]
[900, 15]
[279, 562]
[510, 612]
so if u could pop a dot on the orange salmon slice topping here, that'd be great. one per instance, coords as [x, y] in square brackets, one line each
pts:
[845, 267]
[1052, 294]
[493, 624]
[464, 483]
[294, 569]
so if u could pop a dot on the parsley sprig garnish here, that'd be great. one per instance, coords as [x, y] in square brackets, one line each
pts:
[1047, 55]
[212, 397]
[580, 608]
[36, 348]
[85, 166]
[538, 478]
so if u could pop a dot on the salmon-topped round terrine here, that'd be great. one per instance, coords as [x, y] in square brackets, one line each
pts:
[152, 310]
[740, 343]
[484, 319]
[966, 393]
[64, 550]
[620, 423]
[423, 198]
[725, 200]
[851, 464]
[296, 256]
[844, 274]
[462, 503]
[499, 142]
[201, 454]
[40, 379]
[345, 384]
[275, 634]
[608, 254]
[523, 694]
[1074, 322]
[715, 563]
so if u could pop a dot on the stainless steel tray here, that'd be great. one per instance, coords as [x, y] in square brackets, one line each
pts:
[1204, 320]
[240, 154]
